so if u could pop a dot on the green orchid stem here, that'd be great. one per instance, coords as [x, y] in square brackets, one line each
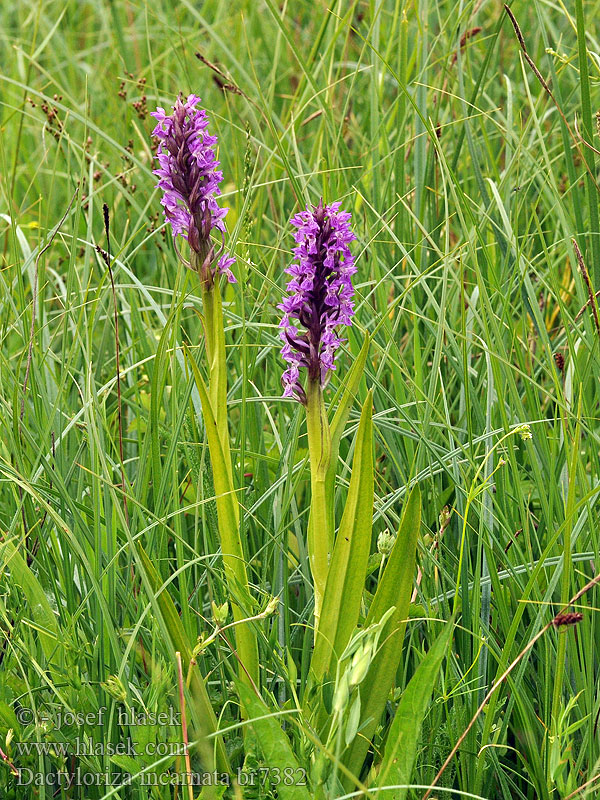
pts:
[217, 365]
[319, 448]
[228, 512]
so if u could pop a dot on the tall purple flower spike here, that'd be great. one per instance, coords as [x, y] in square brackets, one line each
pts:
[189, 178]
[320, 295]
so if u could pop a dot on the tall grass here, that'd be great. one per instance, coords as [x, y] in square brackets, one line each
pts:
[470, 183]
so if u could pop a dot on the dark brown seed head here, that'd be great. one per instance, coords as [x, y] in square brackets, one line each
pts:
[570, 618]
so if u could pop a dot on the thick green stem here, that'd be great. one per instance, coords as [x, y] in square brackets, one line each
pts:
[319, 447]
[228, 512]
[217, 366]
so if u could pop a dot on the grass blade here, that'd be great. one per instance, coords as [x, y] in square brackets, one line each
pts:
[205, 722]
[347, 571]
[403, 737]
[275, 746]
[395, 589]
[231, 546]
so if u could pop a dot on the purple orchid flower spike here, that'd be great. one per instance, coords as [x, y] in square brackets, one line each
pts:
[189, 178]
[320, 295]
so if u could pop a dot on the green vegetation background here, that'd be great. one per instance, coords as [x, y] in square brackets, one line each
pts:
[468, 180]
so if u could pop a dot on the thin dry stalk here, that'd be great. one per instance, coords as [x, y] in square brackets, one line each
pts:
[561, 619]
[583, 787]
[9, 764]
[586, 279]
[581, 310]
[106, 257]
[34, 292]
[574, 136]
[34, 301]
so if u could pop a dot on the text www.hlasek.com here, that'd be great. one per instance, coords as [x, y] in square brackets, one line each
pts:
[86, 747]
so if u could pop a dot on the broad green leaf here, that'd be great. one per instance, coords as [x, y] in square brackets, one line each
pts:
[395, 589]
[231, 546]
[156, 401]
[275, 746]
[204, 718]
[42, 614]
[340, 418]
[401, 748]
[128, 764]
[353, 720]
[338, 424]
[348, 568]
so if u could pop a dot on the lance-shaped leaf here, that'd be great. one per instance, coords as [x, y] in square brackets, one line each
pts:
[156, 404]
[348, 568]
[401, 748]
[276, 749]
[50, 636]
[340, 418]
[395, 589]
[203, 716]
[338, 424]
[229, 534]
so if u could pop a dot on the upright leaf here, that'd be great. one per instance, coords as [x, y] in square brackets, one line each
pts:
[156, 404]
[401, 748]
[42, 615]
[338, 424]
[348, 568]
[277, 752]
[395, 589]
[204, 719]
[340, 418]
[229, 534]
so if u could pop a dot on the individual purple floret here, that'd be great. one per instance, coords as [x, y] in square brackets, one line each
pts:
[190, 181]
[320, 295]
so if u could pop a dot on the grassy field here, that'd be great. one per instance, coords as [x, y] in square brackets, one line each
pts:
[468, 161]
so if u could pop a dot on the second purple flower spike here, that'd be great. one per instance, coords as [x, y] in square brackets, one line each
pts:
[190, 182]
[320, 295]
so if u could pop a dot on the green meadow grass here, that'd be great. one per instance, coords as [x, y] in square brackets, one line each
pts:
[468, 181]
